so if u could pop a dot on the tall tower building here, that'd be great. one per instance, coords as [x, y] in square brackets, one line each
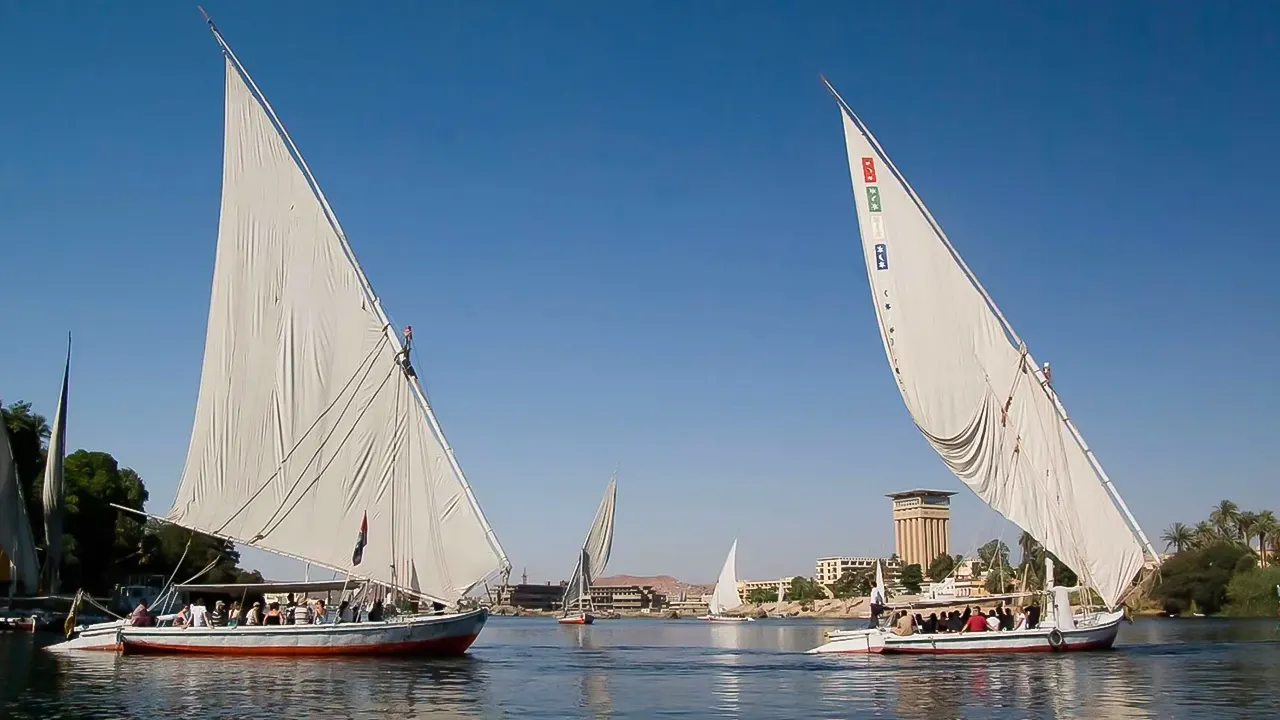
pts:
[921, 525]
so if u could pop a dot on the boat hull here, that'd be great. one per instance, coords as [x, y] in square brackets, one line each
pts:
[429, 635]
[725, 619]
[579, 619]
[99, 636]
[1099, 634]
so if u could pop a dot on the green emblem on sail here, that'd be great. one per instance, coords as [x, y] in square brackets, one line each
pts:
[873, 198]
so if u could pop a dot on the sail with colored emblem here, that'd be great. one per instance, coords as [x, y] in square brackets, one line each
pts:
[973, 389]
[310, 416]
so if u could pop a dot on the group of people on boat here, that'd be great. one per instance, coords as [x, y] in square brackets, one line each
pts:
[295, 612]
[1001, 618]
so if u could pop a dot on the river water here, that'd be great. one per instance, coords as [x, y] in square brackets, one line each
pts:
[535, 668]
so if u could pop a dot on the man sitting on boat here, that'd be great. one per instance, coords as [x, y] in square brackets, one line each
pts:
[902, 624]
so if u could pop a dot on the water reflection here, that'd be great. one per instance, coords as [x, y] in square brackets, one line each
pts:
[646, 668]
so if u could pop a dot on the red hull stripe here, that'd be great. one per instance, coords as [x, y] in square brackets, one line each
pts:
[436, 646]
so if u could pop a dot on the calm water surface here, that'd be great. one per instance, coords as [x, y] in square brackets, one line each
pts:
[535, 668]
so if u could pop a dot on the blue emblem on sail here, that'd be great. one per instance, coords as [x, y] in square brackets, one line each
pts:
[882, 257]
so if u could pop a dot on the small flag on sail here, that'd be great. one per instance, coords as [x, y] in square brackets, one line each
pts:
[361, 539]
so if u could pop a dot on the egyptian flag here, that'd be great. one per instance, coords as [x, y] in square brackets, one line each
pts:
[361, 539]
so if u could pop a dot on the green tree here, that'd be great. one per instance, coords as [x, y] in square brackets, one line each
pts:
[994, 554]
[100, 536]
[854, 584]
[941, 567]
[1031, 569]
[1200, 577]
[757, 596]
[1267, 529]
[911, 578]
[28, 432]
[1205, 535]
[1224, 519]
[1252, 593]
[1179, 537]
[804, 590]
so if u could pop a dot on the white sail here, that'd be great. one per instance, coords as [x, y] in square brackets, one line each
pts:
[974, 393]
[306, 418]
[15, 528]
[880, 579]
[725, 597]
[595, 551]
[53, 487]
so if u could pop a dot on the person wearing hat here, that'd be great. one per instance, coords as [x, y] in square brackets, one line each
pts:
[255, 614]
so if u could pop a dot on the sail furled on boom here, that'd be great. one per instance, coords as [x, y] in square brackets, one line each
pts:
[53, 493]
[306, 419]
[971, 390]
[595, 551]
[15, 527]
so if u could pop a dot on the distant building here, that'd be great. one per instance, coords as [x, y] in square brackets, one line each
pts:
[780, 586]
[626, 598]
[828, 570]
[532, 596]
[921, 525]
[969, 579]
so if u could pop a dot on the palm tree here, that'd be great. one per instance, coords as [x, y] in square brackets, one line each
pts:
[1267, 528]
[1246, 524]
[1179, 537]
[1224, 518]
[1205, 534]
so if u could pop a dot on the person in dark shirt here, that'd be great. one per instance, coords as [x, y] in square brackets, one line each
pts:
[955, 623]
[931, 624]
[141, 616]
[1033, 617]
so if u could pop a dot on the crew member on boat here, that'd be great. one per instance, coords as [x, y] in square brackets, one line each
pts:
[877, 605]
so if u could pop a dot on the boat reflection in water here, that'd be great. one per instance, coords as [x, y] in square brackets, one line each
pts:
[728, 666]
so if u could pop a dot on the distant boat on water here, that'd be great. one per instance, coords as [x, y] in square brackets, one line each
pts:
[576, 605]
[725, 595]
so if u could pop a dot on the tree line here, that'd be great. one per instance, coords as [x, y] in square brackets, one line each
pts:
[102, 545]
[1216, 566]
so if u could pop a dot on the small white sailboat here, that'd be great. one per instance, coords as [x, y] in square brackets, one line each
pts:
[725, 596]
[576, 605]
[311, 428]
[16, 541]
[989, 411]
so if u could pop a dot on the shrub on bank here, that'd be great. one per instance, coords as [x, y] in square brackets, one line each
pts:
[1253, 593]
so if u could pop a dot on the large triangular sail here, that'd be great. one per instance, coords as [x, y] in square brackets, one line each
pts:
[53, 492]
[973, 391]
[15, 527]
[595, 551]
[309, 415]
[725, 597]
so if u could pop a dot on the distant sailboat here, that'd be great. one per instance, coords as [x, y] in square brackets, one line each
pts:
[989, 412]
[576, 604]
[311, 428]
[725, 597]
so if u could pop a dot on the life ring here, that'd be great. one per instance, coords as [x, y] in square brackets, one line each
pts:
[1056, 641]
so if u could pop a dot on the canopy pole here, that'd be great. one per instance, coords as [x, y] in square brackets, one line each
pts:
[281, 553]
[1036, 370]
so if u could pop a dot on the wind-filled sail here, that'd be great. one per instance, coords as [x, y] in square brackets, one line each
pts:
[307, 419]
[15, 528]
[725, 597]
[53, 489]
[972, 391]
[595, 551]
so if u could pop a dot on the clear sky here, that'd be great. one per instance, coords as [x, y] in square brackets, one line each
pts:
[624, 235]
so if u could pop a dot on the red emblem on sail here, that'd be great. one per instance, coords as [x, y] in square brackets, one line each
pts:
[868, 170]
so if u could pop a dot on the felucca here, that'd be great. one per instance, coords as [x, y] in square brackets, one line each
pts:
[576, 605]
[311, 429]
[725, 596]
[990, 412]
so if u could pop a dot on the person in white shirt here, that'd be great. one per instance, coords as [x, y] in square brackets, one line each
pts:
[877, 605]
[302, 613]
[199, 615]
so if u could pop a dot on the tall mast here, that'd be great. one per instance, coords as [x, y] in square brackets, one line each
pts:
[1034, 368]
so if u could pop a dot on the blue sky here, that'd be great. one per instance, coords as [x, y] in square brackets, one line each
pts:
[624, 235]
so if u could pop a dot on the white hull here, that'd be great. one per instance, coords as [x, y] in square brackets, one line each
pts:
[99, 636]
[1100, 634]
[424, 635]
[725, 619]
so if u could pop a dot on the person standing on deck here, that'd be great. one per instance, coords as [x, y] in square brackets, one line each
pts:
[877, 605]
